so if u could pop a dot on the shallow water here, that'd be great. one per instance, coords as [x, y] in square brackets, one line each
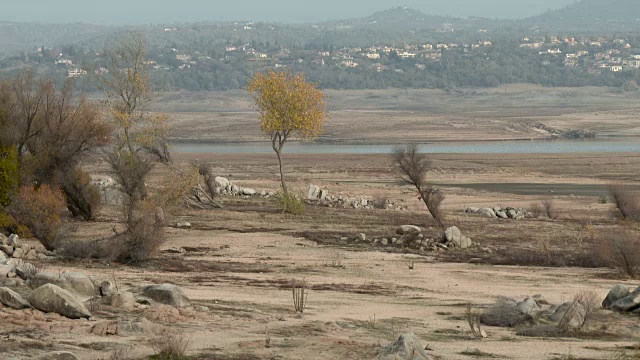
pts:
[492, 147]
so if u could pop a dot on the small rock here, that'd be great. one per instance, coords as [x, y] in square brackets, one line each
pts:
[123, 299]
[14, 240]
[362, 237]
[107, 288]
[166, 294]
[183, 225]
[408, 229]
[407, 347]
[12, 299]
[248, 192]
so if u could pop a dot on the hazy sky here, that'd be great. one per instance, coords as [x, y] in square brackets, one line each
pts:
[161, 11]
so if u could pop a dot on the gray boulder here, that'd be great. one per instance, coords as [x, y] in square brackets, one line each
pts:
[408, 230]
[628, 303]
[528, 306]
[14, 240]
[407, 347]
[6, 270]
[183, 225]
[487, 212]
[12, 299]
[57, 355]
[107, 288]
[502, 215]
[221, 183]
[123, 299]
[471, 210]
[616, 293]
[453, 237]
[7, 249]
[314, 192]
[3, 239]
[53, 299]
[575, 312]
[166, 294]
[75, 282]
[248, 192]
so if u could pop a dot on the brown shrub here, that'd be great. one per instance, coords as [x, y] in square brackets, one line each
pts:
[626, 201]
[144, 235]
[412, 166]
[41, 210]
[536, 209]
[83, 198]
[620, 251]
[170, 346]
[549, 207]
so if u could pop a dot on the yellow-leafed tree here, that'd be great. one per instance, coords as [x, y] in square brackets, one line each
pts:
[288, 107]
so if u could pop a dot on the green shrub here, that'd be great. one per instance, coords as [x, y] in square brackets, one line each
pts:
[9, 174]
[289, 203]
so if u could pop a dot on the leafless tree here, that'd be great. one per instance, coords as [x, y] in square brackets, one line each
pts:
[412, 166]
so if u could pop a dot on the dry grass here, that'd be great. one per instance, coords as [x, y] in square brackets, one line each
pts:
[626, 201]
[300, 295]
[620, 251]
[170, 347]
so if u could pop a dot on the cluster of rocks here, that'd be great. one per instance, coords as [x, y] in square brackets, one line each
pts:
[498, 212]
[316, 195]
[411, 236]
[12, 253]
[110, 192]
[621, 299]
[222, 186]
[510, 312]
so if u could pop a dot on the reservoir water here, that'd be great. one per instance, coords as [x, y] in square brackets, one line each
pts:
[486, 147]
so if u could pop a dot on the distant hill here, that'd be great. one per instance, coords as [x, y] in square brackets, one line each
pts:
[594, 15]
[15, 37]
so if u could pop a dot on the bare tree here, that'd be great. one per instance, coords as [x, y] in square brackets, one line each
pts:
[412, 166]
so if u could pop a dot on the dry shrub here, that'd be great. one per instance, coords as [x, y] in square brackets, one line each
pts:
[548, 331]
[300, 295]
[536, 209]
[41, 210]
[620, 251]
[83, 198]
[549, 207]
[412, 166]
[144, 235]
[473, 320]
[590, 302]
[505, 313]
[170, 346]
[380, 203]
[626, 201]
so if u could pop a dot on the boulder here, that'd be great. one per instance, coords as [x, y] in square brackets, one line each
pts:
[123, 300]
[75, 282]
[26, 270]
[407, 347]
[6, 270]
[628, 303]
[408, 229]
[487, 212]
[14, 240]
[248, 191]
[362, 237]
[3, 239]
[57, 355]
[502, 215]
[616, 293]
[12, 299]
[512, 214]
[166, 294]
[183, 225]
[50, 298]
[528, 306]
[574, 310]
[18, 253]
[323, 194]
[314, 192]
[107, 288]
[3, 256]
[221, 183]
[112, 196]
[471, 210]
[7, 249]
[452, 234]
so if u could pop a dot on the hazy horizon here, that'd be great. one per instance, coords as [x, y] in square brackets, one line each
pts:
[121, 12]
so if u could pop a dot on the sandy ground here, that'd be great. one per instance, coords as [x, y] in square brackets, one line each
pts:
[240, 262]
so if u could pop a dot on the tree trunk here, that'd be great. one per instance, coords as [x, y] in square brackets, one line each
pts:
[284, 185]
